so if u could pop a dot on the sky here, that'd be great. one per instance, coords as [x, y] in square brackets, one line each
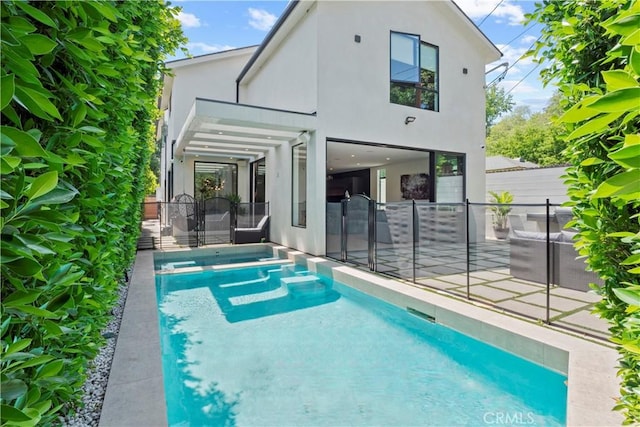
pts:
[216, 25]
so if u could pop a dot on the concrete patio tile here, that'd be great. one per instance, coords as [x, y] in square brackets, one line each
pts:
[461, 279]
[431, 262]
[591, 297]
[384, 268]
[141, 395]
[585, 319]
[438, 284]
[443, 270]
[557, 303]
[492, 294]
[521, 288]
[530, 310]
[425, 274]
[488, 264]
[489, 275]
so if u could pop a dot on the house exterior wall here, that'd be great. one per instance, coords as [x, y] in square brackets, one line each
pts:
[289, 78]
[354, 80]
[318, 67]
[213, 79]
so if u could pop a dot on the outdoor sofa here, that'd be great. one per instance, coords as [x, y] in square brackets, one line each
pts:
[255, 234]
[528, 260]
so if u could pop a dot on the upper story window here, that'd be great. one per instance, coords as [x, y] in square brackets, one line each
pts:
[414, 72]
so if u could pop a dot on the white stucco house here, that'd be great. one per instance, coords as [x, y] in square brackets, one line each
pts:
[353, 96]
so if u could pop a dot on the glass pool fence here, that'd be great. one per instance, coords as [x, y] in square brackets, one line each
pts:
[519, 258]
[195, 223]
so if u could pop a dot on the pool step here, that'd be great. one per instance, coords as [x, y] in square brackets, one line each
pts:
[179, 264]
[307, 285]
[244, 282]
[258, 297]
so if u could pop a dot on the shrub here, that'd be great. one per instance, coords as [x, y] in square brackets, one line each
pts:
[78, 89]
[594, 52]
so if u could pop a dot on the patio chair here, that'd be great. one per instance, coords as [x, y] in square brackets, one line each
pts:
[516, 223]
[251, 235]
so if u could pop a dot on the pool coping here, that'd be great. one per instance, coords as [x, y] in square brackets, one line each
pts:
[135, 391]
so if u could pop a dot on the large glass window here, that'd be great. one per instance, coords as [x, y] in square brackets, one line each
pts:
[215, 180]
[414, 72]
[450, 178]
[258, 175]
[299, 185]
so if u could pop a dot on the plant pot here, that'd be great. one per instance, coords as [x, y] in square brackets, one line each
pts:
[501, 233]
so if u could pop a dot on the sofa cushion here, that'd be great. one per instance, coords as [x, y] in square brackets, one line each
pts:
[567, 236]
[536, 235]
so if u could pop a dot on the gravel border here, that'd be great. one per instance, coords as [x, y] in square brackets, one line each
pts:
[95, 386]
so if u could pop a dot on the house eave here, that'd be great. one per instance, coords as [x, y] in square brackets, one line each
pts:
[226, 129]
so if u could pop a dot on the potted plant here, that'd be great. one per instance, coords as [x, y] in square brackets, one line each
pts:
[500, 212]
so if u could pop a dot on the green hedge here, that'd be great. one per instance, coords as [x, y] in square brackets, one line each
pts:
[78, 93]
[593, 49]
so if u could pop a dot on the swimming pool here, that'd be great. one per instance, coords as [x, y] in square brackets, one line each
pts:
[274, 346]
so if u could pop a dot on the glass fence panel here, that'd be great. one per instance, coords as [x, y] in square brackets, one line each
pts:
[179, 225]
[249, 215]
[510, 259]
[334, 229]
[441, 244]
[216, 220]
[357, 229]
[394, 239]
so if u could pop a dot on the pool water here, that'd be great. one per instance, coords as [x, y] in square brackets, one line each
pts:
[280, 346]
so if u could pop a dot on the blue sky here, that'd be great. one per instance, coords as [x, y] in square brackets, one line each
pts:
[215, 25]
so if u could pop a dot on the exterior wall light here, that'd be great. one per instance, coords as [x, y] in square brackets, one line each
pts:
[409, 119]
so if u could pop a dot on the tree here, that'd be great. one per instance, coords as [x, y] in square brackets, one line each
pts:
[497, 103]
[531, 137]
[592, 49]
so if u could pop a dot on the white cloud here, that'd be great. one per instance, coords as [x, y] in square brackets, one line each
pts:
[188, 20]
[528, 40]
[199, 48]
[261, 19]
[512, 55]
[507, 10]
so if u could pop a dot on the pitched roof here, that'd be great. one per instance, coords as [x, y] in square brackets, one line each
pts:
[291, 14]
[502, 163]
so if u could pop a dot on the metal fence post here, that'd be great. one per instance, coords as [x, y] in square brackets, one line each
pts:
[548, 263]
[468, 248]
[343, 230]
[371, 235]
[414, 234]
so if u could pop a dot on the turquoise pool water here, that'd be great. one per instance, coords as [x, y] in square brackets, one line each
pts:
[279, 346]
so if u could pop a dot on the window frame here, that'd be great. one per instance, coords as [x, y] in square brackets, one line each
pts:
[295, 195]
[234, 174]
[418, 86]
